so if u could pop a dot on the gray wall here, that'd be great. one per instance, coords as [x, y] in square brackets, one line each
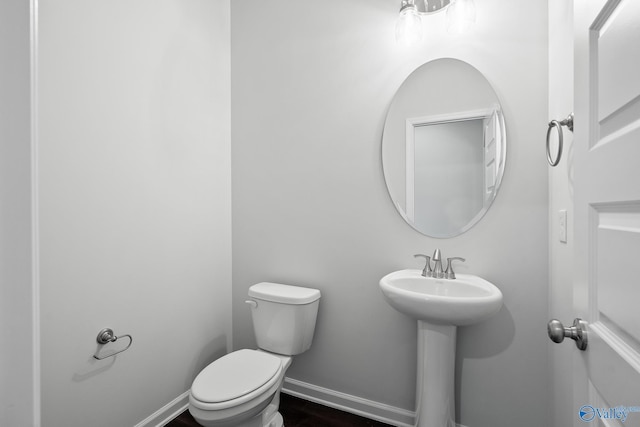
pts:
[311, 86]
[17, 402]
[560, 198]
[134, 202]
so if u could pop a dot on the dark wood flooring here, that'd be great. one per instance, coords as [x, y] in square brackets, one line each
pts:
[300, 413]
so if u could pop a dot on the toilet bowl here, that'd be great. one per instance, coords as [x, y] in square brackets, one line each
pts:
[236, 388]
[242, 388]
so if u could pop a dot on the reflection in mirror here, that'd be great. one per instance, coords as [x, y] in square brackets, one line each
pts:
[444, 148]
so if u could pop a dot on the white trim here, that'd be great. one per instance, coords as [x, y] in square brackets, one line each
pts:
[348, 403]
[451, 117]
[35, 219]
[167, 413]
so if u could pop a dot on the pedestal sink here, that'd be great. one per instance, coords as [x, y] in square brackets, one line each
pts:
[439, 306]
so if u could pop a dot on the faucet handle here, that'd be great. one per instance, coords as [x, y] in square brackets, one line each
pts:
[426, 271]
[449, 274]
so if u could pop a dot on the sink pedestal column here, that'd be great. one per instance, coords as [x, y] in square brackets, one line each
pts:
[435, 399]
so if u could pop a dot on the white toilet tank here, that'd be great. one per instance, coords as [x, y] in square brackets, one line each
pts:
[284, 317]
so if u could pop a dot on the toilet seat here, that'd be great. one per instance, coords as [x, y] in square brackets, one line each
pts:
[235, 379]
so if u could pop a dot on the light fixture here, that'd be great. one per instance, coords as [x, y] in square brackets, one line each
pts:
[409, 25]
[461, 14]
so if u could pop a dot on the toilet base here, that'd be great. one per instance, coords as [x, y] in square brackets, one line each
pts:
[270, 416]
[275, 421]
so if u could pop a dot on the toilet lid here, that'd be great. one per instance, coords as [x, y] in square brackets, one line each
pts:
[235, 375]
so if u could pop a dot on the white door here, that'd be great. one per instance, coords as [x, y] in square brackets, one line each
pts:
[607, 210]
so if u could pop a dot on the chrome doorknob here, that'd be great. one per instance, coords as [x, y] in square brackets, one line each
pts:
[578, 332]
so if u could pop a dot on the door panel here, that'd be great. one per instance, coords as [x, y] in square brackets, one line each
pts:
[617, 68]
[607, 210]
[617, 268]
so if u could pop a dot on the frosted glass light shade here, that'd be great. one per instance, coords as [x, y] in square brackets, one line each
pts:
[409, 26]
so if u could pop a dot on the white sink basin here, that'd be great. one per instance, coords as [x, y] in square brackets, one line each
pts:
[465, 300]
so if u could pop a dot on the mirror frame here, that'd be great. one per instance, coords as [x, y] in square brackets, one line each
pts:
[421, 120]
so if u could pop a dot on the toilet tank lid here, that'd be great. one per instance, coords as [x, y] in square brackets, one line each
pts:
[285, 294]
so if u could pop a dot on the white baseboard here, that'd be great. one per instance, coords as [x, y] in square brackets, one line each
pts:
[334, 399]
[167, 413]
[345, 402]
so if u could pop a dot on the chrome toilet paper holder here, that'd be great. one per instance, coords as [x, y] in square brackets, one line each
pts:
[106, 336]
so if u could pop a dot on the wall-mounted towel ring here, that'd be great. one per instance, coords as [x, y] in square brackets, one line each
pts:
[568, 122]
[105, 336]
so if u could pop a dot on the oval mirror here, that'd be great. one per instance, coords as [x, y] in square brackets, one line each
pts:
[444, 148]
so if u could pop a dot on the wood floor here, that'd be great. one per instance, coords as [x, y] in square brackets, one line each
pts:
[300, 413]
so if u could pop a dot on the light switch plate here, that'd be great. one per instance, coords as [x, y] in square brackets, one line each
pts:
[562, 222]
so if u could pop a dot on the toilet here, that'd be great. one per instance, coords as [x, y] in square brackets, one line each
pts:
[242, 389]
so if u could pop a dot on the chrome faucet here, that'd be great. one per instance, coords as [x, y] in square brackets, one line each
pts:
[426, 271]
[438, 273]
[449, 274]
